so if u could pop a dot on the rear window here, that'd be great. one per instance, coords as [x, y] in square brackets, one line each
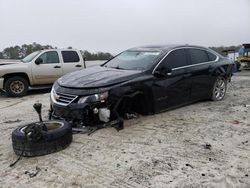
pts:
[198, 56]
[211, 56]
[70, 56]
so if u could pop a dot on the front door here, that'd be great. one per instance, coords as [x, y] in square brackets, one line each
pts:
[48, 70]
[174, 88]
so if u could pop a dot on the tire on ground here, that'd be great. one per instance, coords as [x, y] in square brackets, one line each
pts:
[7, 86]
[55, 139]
[213, 96]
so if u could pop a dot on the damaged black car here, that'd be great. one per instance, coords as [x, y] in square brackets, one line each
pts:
[143, 80]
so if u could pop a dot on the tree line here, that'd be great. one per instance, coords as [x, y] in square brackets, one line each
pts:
[220, 49]
[19, 52]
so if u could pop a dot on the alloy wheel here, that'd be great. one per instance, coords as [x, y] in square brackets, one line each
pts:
[220, 89]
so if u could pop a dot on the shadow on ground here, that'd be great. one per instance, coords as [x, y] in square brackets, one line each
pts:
[30, 93]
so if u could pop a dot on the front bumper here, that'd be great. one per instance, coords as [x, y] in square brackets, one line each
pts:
[83, 118]
[1, 83]
[81, 114]
[70, 107]
[71, 111]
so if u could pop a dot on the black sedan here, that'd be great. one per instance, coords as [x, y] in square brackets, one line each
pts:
[144, 80]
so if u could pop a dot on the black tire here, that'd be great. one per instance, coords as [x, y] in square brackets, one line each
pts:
[55, 139]
[20, 89]
[219, 89]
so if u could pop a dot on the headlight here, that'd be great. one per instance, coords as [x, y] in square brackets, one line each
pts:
[101, 97]
[53, 94]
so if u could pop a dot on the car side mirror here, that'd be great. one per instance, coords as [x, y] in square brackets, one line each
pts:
[38, 61]
[84, 62]
[158, 74]
[168, 72]
[163, 72]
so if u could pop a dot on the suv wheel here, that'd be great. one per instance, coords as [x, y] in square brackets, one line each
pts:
[219, 89]
[16, 86]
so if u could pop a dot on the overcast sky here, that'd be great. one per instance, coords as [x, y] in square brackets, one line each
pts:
[115, 25]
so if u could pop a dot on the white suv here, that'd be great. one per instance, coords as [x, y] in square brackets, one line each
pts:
[41, 68]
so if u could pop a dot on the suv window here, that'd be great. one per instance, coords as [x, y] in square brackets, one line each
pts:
[198, 56]
[175, 59]
[211, 56]
[70, 56]
[49, 57]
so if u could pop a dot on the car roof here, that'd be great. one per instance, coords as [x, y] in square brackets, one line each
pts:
[164, 48]
[61, 49]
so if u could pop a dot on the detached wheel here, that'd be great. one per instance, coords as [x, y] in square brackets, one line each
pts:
[16, 86]
[57, 137]
[219, 89]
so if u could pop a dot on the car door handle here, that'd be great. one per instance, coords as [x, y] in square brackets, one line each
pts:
[57, 67]
[78, 66]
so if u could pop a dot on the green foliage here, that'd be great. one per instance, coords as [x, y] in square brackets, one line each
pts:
[19, 52]
[96, 56]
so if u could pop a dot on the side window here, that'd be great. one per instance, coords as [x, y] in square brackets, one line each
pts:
[211, 56]
[198, 56]
[175, 59]
[49, 57]
[70, 57]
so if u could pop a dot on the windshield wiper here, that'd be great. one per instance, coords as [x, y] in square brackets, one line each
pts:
[117, 67]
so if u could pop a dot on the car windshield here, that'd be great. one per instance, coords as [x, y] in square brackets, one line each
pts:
[29, 57]
[133, 60]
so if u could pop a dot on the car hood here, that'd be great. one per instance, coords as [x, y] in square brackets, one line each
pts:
[9, 62]
[97, 76]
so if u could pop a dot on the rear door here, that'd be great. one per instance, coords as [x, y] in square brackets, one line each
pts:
[49, 70]
[173, 89]
[201, 65]
[71, 61]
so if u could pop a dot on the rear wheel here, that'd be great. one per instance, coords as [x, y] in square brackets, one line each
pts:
[16, 86]
[219, 89]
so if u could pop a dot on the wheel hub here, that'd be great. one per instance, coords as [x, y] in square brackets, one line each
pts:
[17, 87]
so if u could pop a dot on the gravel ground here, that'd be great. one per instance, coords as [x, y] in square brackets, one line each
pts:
[170, 149]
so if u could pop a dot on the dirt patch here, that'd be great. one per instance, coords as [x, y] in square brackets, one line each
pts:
[206, 144]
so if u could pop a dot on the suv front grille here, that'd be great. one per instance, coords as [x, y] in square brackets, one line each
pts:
[65, 99]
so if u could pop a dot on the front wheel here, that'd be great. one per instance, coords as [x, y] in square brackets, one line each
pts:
[219, 89]
[58, 136]
[16, 86]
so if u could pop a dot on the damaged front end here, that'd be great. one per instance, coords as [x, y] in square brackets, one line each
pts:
[86, 113]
